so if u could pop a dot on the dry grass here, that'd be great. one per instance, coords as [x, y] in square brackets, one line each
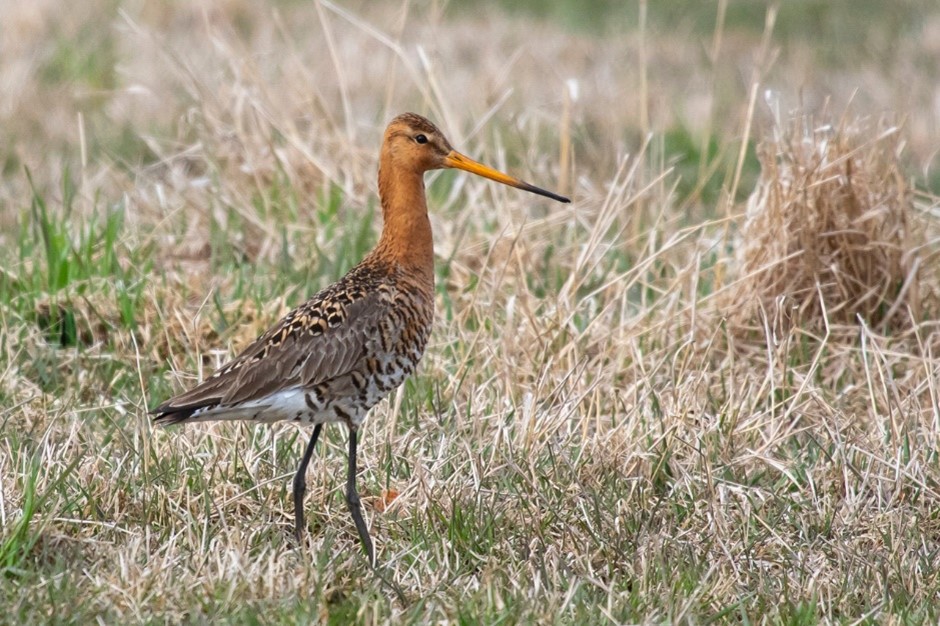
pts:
[590, 438]
[831, 233]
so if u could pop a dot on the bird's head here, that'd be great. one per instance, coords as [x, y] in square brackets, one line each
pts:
[413, 143]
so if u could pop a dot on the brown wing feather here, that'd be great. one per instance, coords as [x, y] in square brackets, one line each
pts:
[321, 339]
[304, 359]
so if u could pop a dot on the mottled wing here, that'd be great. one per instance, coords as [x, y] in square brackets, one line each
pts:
[324, 338]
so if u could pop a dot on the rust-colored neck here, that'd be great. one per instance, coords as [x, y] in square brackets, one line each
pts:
[406, 233]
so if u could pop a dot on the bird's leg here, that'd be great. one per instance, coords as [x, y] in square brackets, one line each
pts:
[352, 498]
[300, 484]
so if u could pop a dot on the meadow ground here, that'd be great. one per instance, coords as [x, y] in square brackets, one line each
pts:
[705, 391]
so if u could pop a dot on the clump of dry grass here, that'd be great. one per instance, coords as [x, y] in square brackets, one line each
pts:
[829, 234]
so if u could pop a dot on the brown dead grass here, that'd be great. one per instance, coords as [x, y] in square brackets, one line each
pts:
[831, 234]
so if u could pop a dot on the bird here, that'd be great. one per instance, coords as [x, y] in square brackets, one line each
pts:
[335, 356]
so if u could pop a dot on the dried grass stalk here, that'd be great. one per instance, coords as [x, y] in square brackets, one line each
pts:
[828, 234]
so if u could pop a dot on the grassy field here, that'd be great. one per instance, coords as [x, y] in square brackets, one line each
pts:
[705, 391]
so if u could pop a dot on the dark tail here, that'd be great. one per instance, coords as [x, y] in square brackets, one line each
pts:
[168, 418]
[168, 414]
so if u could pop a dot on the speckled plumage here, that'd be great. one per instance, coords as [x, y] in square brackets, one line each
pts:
[338, 354]
[330, 359]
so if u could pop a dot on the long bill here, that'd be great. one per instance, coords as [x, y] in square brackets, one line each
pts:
[461, 162]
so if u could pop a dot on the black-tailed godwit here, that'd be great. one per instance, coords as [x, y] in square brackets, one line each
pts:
[335, 356]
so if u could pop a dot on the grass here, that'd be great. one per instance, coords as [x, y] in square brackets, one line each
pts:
[615, 421]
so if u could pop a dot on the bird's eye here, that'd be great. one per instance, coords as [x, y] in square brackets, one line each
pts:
[421, 138]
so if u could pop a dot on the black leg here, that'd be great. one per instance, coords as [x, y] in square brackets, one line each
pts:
[352, 499]
[300, 484]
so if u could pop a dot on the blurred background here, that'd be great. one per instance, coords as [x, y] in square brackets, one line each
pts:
[681, 69]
